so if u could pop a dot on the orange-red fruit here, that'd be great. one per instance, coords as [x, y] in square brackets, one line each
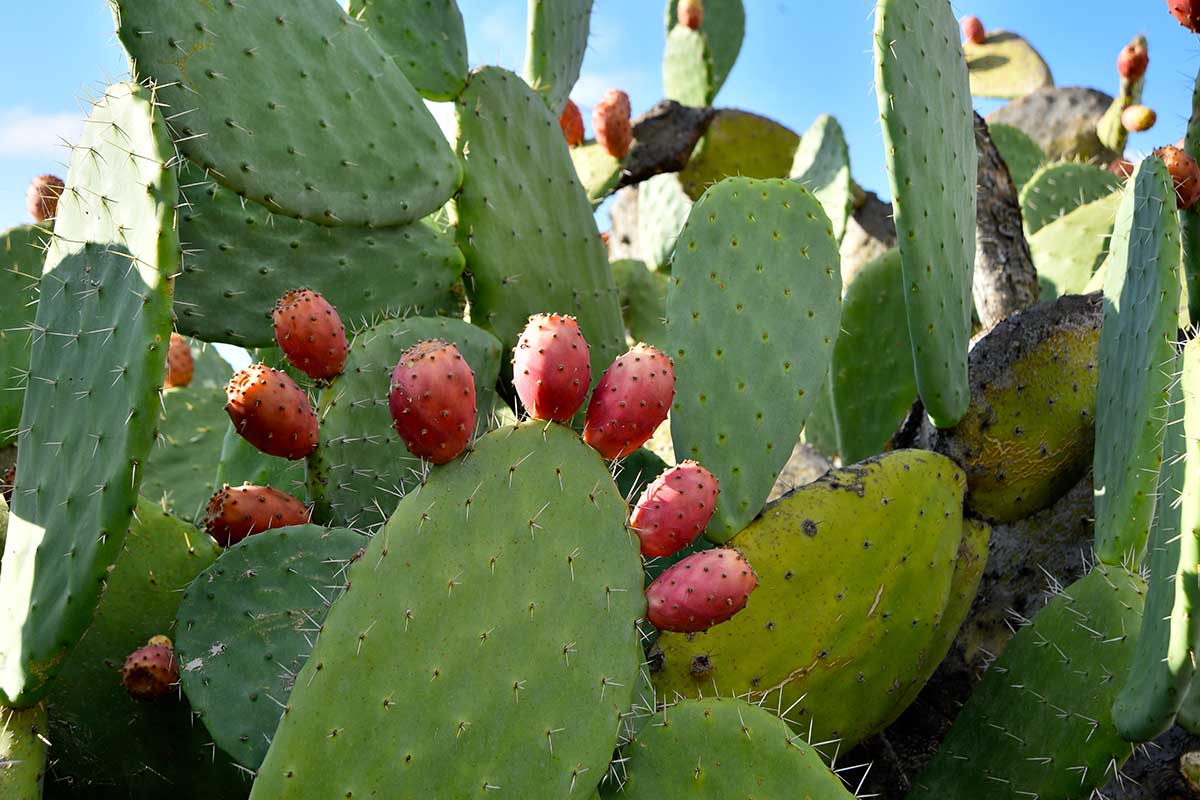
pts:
[972, 30]
[571, 122]
[675, 509]
[432, 400]
[630, 402]
[690, 13]
[151, 671]
[180, 365]
[611, 123]
[1187, 12]
[1132, 61]
[41, 198]
[551, 367]
[235, 512]
[1184, 173]
[1136, 119]
[271, 412]
[310, 333]
[702, 590]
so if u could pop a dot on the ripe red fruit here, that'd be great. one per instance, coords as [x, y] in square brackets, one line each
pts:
[310, 333]
[675, 509]
[1187, 12]
[630, 402]
[1136, 119]
[271, 412]
[151, 670]
[235, 512]
[551, 368]
[1132, 61]
[611, 123]
[180, 365]
[972, 30]
[571, 122]
[702, 590]
[1184, 173]
[432, 400]
[41, 198]
[690, 13]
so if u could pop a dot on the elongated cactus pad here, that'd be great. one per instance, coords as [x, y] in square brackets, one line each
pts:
[103, 319]
[928, 131]
[1058, 189]
[1005, 66]
[822, 165]
[22, 251]
[426, 39]
[498, 604]
[1068, 251]
[752, 314]
[1189, 219]
[723, 29]
[688, 68]
[1020, 153]
[739, 144]
[558, 35]
[23, 740]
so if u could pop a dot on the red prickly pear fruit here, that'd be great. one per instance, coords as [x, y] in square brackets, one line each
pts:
[432, 400]
[610, 122]
[571, 122]
[675, 509]
[1132, 61]
[1187, 12]
[605, 236]
[41, 198]
[551, 367]
[271, 412]
[235, 512]
[972, 30]
[180, 364]
[310, 333]
[1121, 167]
[1136, 119]
[1184, 173]
[9, 481]
[690, 13]
[630, 402]
[151, 670]
[702, 590]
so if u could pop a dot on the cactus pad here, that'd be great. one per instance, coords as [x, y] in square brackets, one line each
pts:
[181, 468]
[643, 301]
[663, 207]
[1021, 154]
[687, 68]
[558, 35]
[1058, 189]
[22, 251]
[241, 462]
[822, 165]
[739, 144]
[1189, 219]
[723, 28]
[426, 40]
[597, 170]
[1068, 252]
[23, 738]
[1005, 66]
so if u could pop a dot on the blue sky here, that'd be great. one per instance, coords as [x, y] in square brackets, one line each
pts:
[801, 58]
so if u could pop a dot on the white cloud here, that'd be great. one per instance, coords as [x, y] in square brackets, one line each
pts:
[25, 132]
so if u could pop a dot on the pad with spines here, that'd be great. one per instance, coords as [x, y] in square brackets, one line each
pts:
[23, 739]
[295, 105]
[96, 365]
[497, 605]
[246, 625]
[598, 171]
[524, 222]
[929, 136]
[558, 35]
[753, 309]
[1189, 219]
[183, 462]
[1005, 66]
[1137, 358]
[1021, 154]
[241, 462]
[822, 165]
[663, 207]
[739, 144]
[1058, 189]
[1068, 252]
[643, 301]
[22, 251]
[687, 68]
[723, 28]
[426, 38]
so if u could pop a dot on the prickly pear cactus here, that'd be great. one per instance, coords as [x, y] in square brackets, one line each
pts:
[23, 739]
[739, 144]
[558, 35]
[426, 40]
[1005, 66]
[180, 470]
[643, 301]
[1021, 154]
[22, 251]
[688, 68]
[1068, 251]
[663, 209]
[1189, 219]
[822, 165]
[1058, 189]
[723, 29]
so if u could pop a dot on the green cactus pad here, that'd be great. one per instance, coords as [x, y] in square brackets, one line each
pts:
[1069, 251]
[361, 467]
[597, 170]
[1020, 153]
[929, 135]
[532, 245]
[822, 165]
[96, 365]
[637, 470]
[22, 251]
[643, 301]
[1039, 724]
[498, 605]
[426, 39]
[240, 258]
[210, 369]
[739, 144]
[182, 465]
[723, 748]
[1005, 66]
[752, 314]
[23, 752]
[558, 35]
[1058, 189]
[1165, 659]
[241, 462]
[1137, 357]
[724, 28]
[687, 68]
[663, 207]
[246, 625]
[295, 105]
[869, 553]
[1189, 219]
[104, 742]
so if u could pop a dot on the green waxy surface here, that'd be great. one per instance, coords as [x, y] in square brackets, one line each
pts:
[558, 35]
[1005, 66]
[181, 468]
[822, 165]
[663, 207]
[23, 752]
[241, 462]
[724, 28]
[1189, 219]
[240, 258]
[1039, 725]
[1069, 251]
[643, 301]
[688, 68]
[1137, 357]
[295, 105]
[1058, 189]
[739, 144]
[497, 605]
[597, 170]
[752, 314]
[928, 132]
[21, 257]
[1020, 153]
[247, 623]
[361, 468]
[104, 319]
[425, 38]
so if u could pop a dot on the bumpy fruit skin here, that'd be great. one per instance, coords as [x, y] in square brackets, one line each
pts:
[701, 591]
[690, 13]
[551, 370]
[972, 30]
[1187, 12]
[271, 412]
[180, 364]
[1132, 61]
[611, 123]
[41, 198]
[571, 122]
[151, 671]
[235, 512]
[1136, 119]
[1184, 172]
[310, 333]
[432, 400]
[630, 402]
[675, 509]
